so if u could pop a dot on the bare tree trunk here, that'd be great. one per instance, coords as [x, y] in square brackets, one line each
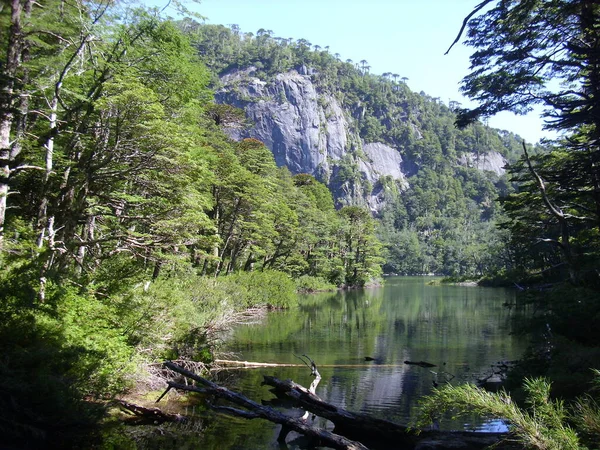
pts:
[43, 220]
[9, 94]
[559, 215]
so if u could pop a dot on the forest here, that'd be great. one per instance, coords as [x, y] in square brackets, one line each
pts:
[133, 228]
[444, 222]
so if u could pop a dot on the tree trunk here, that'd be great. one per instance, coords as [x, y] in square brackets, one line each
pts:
[9, 94]
[558, 214]
[349, 427]
[589, 20]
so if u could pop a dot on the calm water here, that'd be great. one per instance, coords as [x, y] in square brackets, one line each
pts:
[463, 330]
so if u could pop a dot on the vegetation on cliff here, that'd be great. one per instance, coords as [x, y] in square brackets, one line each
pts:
[445, 221]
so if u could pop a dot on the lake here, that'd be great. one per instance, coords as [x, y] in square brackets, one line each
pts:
[463, 330]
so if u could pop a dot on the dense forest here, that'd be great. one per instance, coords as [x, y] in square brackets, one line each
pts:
[133, 228]
[443, 219]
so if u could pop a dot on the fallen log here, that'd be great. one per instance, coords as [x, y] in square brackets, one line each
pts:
[420, 363]
[369, 429]
[142, 414]
[251, 364]
[255, 410]
[352, 430]
[235, 364]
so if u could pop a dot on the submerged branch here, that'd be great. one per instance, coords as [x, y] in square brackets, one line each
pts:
[256, 410]
[350, 428]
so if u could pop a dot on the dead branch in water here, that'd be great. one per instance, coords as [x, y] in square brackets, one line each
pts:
[141, 414]
[251, 364]
[350, 428]
[236, 364]
[255, 410]
[366, 428]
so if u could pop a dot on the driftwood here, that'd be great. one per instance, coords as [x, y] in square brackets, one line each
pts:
[420, 363]
[142, 414]
[352, 430]
[372, 430]
[255, 410]
[236, 364]
[251, 364]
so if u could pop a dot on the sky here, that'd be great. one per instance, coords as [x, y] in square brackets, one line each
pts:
[407, 37]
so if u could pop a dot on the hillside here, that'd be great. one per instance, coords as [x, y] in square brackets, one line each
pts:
[372, 141]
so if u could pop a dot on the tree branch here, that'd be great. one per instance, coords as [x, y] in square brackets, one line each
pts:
[556, 212]
[26, 167]
[464, 24]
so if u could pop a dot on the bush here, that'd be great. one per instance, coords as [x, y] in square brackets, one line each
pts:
[307, 283]
[180, 317]
[542, 425]
[270, 288]
[54, 355]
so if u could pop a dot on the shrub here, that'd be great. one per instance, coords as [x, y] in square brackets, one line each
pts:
[542, 425]
[307, 283]
[180, 317]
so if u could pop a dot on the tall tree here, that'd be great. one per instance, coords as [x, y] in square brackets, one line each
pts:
[15, 49]
[541, 52]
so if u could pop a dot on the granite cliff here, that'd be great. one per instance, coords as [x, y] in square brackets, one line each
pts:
[310, 130]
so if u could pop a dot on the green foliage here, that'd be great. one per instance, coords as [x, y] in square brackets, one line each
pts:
[269, 288]
[542, 425]
[586, 414]
[360, 249]
[91, 326]
[307, 283]
[181, 316]
[54, 354]
[445, 224]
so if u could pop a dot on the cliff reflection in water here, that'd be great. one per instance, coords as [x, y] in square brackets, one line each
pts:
[462, 330]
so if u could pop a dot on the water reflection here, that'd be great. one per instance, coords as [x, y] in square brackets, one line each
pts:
[463, 331]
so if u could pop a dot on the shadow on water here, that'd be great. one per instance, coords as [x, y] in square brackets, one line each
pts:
[360, 340]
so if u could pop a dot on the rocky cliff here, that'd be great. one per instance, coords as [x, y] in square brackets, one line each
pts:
[310, 131]
[307, 132]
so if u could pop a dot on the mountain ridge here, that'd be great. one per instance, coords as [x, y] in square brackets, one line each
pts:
[311, 132]
[374, 142]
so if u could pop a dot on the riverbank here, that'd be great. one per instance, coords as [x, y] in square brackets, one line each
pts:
[63, 358]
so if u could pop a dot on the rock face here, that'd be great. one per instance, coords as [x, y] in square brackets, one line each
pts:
[490, 162]
[309, 132]
[306, 132]
[380, 161]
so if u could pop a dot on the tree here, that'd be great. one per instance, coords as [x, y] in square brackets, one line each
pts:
[11, 116]
[107, 126]
[536, 52]
[363, 65]
[359, 248]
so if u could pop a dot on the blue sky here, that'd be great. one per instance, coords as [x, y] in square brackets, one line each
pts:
[407, 37]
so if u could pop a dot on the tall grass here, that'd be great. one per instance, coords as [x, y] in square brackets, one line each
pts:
[542, 424]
